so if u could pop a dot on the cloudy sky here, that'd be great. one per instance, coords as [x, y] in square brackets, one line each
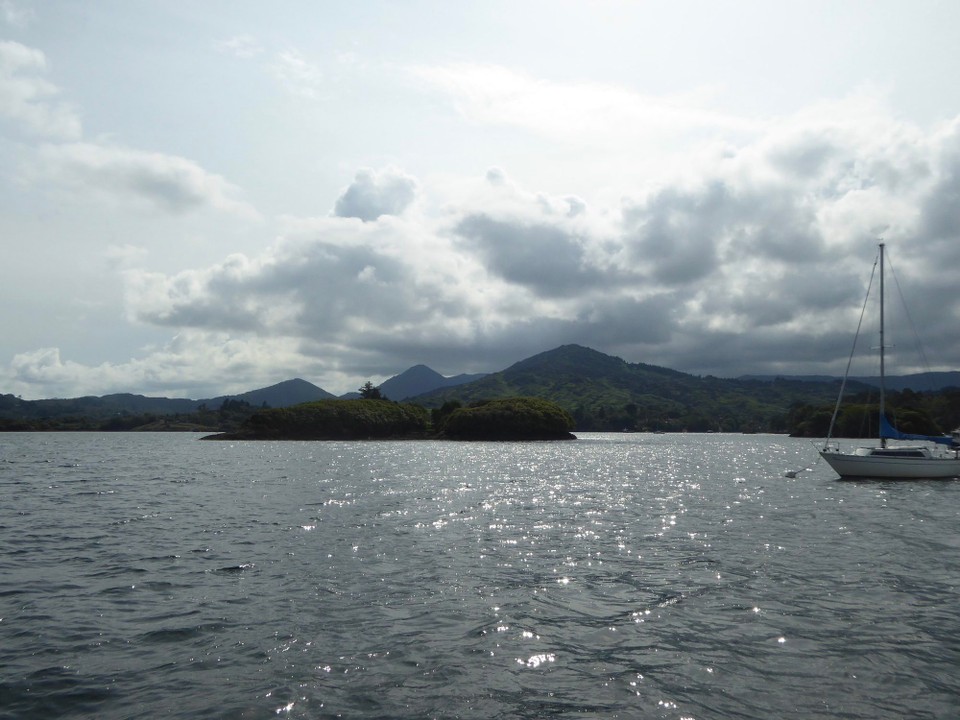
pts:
[207, 197]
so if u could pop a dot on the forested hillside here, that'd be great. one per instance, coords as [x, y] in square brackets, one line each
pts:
[602, 392]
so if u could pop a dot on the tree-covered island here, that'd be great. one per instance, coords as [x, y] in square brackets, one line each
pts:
[372, 417]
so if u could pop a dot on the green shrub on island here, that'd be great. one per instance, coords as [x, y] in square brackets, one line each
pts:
[519, 418]
[334, 420]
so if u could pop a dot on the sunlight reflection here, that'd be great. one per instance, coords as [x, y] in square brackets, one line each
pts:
[535, 661]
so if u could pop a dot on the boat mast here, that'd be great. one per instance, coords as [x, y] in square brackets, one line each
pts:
[883, 440]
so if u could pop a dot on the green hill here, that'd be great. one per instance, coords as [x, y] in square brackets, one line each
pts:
[602, 392]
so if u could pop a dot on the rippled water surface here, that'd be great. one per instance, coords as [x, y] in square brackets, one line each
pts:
[631, 576]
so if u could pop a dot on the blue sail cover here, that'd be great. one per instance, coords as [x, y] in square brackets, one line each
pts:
[889, 431]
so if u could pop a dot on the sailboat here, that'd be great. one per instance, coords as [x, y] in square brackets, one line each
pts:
[892, 461]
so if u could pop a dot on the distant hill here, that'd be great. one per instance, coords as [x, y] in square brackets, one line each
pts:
[918, 382]
[12, 407]
[284, 394]
[599, 391]
[420, 379]
[602, 392]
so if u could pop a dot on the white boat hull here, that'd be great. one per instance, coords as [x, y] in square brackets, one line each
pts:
[866, 466]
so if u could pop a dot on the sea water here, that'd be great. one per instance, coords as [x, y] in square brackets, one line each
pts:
[615, 576]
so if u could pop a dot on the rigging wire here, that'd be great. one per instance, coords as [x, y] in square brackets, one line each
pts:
[913, 327]
[853, 350]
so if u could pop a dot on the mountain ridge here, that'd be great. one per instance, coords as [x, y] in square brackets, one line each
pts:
[604, 392]
[918, 382]
[282, 394]
[600, 391]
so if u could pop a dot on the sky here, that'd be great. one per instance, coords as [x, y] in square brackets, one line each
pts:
[202, 198]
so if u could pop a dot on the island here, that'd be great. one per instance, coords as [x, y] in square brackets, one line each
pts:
[520, 418]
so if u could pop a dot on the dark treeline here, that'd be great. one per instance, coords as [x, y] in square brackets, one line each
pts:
[376, 417]
[229, 416]
[935, 412]
[923, 413]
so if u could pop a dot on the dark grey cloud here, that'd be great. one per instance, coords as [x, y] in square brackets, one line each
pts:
[356, 292]
[316, 288]
[547, 259]
[608, 325]
[782, 300]
[675, 233]
[773, 350]
[373, 194]
[940, 209]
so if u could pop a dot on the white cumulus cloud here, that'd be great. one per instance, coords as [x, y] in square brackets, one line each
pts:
[28, 98]
[373, 194]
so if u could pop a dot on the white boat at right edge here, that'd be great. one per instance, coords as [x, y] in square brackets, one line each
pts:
[893, 461]
[915, 462]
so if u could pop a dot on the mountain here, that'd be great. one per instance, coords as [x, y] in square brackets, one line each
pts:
[419, 380]
[284, 394]
[603, 392]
